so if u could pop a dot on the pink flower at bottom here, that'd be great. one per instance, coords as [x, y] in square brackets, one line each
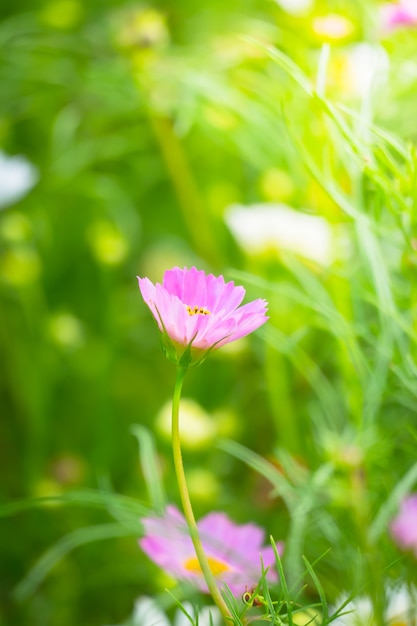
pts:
[235, 552]
[404, 525]
[200, 312]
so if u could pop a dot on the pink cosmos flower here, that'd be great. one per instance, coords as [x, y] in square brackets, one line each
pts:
[404, 525]
[235, 553]
[402, 13]
[198, 312]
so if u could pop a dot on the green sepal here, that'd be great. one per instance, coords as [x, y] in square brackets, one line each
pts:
[186, 357]
[168, 348]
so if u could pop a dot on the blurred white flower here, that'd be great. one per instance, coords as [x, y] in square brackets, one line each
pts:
[359, 612]
[295, 7]
[401, 605]
[207, 616]
[17, 177]
[368, 66]
[278, 227]
[148, 613]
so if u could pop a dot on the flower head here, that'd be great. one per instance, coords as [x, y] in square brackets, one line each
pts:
[198, 312]
[235, 553]
[404, 525]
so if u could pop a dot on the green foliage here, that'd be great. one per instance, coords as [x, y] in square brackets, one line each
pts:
[145, 124]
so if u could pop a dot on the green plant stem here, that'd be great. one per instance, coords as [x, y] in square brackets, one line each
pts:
[371, 568]
[194, 212]
[186, 502]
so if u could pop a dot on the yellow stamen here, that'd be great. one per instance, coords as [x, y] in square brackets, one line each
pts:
[197, 310]
[217, 567]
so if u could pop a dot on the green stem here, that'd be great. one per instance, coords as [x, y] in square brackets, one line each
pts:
[194, 212]
[186, 502]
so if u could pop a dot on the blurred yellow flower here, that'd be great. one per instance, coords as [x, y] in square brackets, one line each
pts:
[142, 28]
[107, 243]
[276, 185]
[62, 14]
[20, 266]
[220, 118]
[197, 428]
[202, 485]
[66, 330]
[16, 228]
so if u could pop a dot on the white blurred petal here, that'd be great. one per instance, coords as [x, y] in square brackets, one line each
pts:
[148, 613]
[206, 613]
[17, 177]
[359, 612]
[203, 616]
[368, 67]
[400, 609]
[277, 226]
[401, 605]
[295, 7]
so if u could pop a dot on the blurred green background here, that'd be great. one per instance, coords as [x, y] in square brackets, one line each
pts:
[128, 131]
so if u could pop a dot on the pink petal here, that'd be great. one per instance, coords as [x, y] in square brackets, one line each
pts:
[189, 285]
[195, 288]
[167, 541]
[223, 296]
[402, 14]
[174, 315]
[173, 282]
[240, 546]
[148, 292]
[404, 525]
[247, 319]
[211, 330]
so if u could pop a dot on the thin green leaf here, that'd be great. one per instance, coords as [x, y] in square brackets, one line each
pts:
[65, 545]
[329, 397]
[283, 583]
[150, 468]
[319, 587]
[386, 512]
[266, 469]
[84, 497]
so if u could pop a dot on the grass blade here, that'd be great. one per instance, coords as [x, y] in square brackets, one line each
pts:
[150, 468]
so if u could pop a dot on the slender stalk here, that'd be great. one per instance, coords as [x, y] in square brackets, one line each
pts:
[186, 502]
[194, 211]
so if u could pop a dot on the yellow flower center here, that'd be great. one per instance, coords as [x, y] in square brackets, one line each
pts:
[217, 567]
[197, 310]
